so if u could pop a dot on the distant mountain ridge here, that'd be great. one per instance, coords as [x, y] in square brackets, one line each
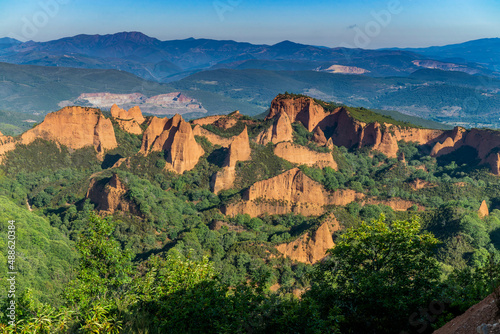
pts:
[485, 51]
[165, 61]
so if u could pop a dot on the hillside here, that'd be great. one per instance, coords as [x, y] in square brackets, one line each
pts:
[242, 213]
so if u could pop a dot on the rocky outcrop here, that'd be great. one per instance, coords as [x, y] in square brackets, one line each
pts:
[319, 137]
[239, 150]
[223, 179]
[397, 204]
[450, 144]
[280, 131]
[483, 210]
[108, 195]
[207, 120]
[212, 137]
[494, 161]
[310, 247]
[130, 120]
[484, 312]
[485, 142]
[300, 109]
[7, 144]
[153, 131]
[301, 155]
[75, 127]
[176, 137]
[291, 191]
[347, 131]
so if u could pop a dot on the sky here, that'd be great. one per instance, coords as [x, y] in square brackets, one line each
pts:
[348, 23]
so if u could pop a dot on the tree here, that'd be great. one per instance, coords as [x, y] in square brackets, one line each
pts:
[379, 274]
[104, 269]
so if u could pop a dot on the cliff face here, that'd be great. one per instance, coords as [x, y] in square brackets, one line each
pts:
[239, 150]
[130, 120]
[176, 137]
[75, 127]
[211, 137]
[303, 156]
[280, 131]
[484, 142]
[109, 196]
[310, 247]
[7, 144]
[302, 109]
[345, 130]
[291, 191]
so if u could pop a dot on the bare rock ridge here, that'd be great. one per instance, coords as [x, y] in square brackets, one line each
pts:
[109, 196]
[310, 247]
[239, 150]
[176, 137]
[280, 131]
[302, 109]
[130, 120]
[291, 191]
[485, 142]
[345, 130]
[303, 156]
[75, 127]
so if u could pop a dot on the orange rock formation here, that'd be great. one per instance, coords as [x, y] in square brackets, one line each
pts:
[212, 137]
[239, 150]
[176, 137]
[109, 196]
[130, 120]
[291, 191]
[310, 247]
[301, 109]
[483, 210]
[281, 130]
[7, 144]
[348, 131]
[75, 127]
[301, 155]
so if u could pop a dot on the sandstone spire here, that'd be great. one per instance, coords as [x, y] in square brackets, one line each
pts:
[176, 137]
[130, 120]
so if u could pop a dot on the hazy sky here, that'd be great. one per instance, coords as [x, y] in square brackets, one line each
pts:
[355, 23]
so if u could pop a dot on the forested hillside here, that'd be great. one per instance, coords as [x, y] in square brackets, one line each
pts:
[319, 218]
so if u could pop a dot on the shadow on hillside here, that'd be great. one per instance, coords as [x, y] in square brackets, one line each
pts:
[110, 160]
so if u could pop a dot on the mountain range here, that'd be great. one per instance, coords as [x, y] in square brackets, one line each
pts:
[456, 84]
